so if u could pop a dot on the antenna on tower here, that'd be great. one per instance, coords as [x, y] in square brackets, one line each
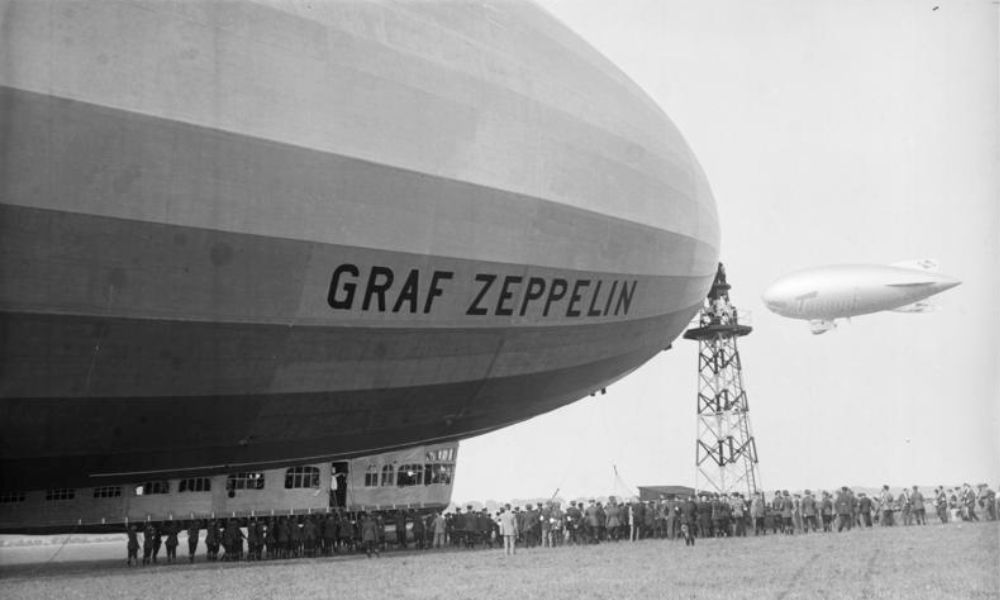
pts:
[725, 451]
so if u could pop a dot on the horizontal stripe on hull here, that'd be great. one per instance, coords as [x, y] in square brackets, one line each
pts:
[75, 442]
[59, 356]
[72, 156]
[65, 263]
[502, 96]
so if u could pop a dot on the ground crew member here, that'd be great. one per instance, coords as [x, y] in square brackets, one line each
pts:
[133, 545]
[369, 535]
[809, 511]
[843, 507]
[171, 529]
[193, 531]
[147, 543]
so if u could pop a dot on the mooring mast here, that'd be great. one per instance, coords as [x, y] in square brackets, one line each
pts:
[725, 451]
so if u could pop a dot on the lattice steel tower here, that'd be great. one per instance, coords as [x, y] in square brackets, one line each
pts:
[725, 452]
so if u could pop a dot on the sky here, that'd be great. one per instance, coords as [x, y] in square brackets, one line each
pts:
[831, 132]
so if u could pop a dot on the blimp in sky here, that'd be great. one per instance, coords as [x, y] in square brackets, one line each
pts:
[235, 235]
[821, 295]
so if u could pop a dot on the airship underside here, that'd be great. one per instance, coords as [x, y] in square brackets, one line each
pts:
[247, 234]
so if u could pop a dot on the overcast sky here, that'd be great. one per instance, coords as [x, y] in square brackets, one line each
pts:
[831, 132]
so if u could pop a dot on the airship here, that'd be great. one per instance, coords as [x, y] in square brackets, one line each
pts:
[821, 295]
[245, 234]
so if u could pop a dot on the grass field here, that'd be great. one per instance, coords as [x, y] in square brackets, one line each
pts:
[953, 561]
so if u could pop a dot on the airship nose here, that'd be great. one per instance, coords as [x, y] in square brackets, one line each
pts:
[773, 296]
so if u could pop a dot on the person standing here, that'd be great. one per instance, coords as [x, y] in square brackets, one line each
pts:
[904, 507]
[842, 505]
[614, 520]
[689, 513]
[147, 543]
[438, 526]
[400, 523]
[592, 522]
[133, 545]
[212, 541]
[757, 506]
[193, 531]
[885, 501]
[508, 529]
[941, 504]
[826, 511]
[919, 510]
[738, 509]
[172, 543]
[419, 531]
[809, 512]
[157, 541]
[310, 535]
[574, 522]
[865, 506]
[369, 535]
[787, 510]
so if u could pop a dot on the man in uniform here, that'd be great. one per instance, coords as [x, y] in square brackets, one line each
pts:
[592, 520]
[918, 508]
[574, 521]
[865, 507]
[212, 541]
[826, 511]
[193, 531]
[808, 512]
[672, 513]
[842, 505]
[704, 517]
[885, 505]
[419, 530]
[614, 522]
[369, 535]
[157, 540]
[171, 530]
[758, 507]
[941, 504]
[147, 543]
[133, 545]
[400, 522]
[738, 508]
[787, 510]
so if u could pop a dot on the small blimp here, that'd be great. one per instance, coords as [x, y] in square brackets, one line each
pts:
[821, 295]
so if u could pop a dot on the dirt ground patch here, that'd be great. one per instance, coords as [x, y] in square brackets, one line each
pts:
[935, 561]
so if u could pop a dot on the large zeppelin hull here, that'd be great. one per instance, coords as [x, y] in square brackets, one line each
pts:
[244, 234]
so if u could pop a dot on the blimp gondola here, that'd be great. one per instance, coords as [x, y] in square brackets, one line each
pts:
[242, 235]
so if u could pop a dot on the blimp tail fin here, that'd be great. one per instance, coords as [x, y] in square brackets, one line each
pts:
[923, 264]
[818, 326]
[921, 306]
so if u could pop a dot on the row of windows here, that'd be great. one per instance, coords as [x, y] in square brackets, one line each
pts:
[409, 475]
[295, 477]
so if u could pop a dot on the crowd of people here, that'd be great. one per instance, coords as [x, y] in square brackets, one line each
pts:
[549, 524]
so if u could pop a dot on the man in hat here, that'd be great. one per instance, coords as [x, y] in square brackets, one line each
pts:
[592, 519]
[885, 507]
[808, 511]
[919, 510]
[865, 507]
[842, 505]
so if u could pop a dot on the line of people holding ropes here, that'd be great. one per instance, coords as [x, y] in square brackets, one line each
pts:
[548, 524]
